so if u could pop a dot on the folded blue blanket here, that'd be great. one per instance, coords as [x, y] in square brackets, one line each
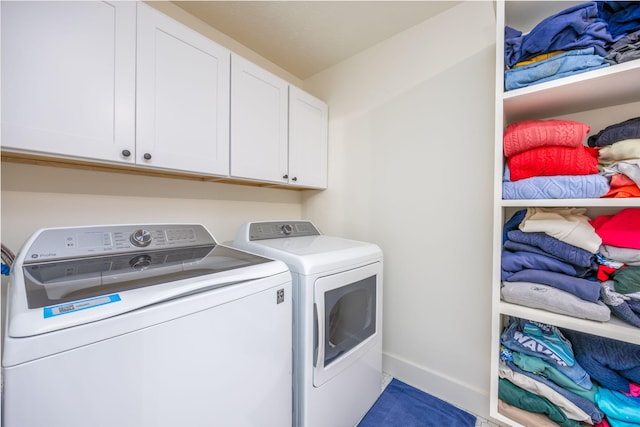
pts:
[513, 262]
[582, 288]
[556, 67]
[576, 27]
[569, 253]
[590, 186]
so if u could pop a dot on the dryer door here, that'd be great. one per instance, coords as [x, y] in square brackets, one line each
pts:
[347, 319]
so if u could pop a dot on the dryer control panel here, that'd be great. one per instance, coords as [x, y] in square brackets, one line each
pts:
[281, 229]
[76, 242]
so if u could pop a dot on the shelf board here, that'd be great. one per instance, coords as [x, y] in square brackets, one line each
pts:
[614, 85]
[614, 328]
[606, 202]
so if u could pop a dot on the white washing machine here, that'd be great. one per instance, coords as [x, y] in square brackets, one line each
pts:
[337, 318]
[145, 326]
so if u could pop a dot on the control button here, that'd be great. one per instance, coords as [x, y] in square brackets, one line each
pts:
[287, 229]
[70, 242]
[140, 238]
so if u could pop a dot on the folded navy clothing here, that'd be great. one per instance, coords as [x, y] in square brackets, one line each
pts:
[587, 290]
[610, 362]
[513, 223]
[576, 27]
[622, 17]
[628, 129]
[515, 261]
[628, 311]
[556, 67]
[565, 251]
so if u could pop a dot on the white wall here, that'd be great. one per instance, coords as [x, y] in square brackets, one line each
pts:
[410, 168]
[36, 197]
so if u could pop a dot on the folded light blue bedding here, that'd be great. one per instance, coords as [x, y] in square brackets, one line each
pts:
[590, 186]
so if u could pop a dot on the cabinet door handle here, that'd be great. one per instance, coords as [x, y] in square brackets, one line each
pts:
[147, 156]
[126, 153]
[285, 176]
[295, 178]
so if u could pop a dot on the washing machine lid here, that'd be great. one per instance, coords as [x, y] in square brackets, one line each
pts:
[300, 245]
[69, 276]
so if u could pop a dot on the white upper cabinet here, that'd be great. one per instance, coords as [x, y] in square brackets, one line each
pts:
[278, 132]
[183, 97]
[308, 120]
[258, 123]
[68, 78]
[122, 83]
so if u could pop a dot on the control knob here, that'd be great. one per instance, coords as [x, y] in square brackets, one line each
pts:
[287, 229]
[140, 238]
[141, 262]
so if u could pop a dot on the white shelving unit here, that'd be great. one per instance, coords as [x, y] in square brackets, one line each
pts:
[598, 98]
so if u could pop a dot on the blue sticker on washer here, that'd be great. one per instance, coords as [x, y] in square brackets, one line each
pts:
[57, 310]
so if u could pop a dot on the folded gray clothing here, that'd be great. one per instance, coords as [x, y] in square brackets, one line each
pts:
[625, 49]
[629, 167]
[548, 298]
[558, 248]
[620, 305]
[628, 256]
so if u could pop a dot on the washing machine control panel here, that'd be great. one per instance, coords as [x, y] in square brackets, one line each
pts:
[281, 229]
[74, 242]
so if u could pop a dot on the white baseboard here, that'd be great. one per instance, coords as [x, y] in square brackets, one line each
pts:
[462, 395]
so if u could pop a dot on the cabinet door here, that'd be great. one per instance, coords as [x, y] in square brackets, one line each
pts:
[258, 123]
[68, 78]
[308, 121]
[183, 97]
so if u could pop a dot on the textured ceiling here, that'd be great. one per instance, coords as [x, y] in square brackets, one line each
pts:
[306, 37]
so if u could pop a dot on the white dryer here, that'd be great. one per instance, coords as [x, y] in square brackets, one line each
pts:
[145, 326]
[337, 318]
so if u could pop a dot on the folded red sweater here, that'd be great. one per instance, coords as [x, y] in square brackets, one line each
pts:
[549, 161]
[522, 136]
[621, 230]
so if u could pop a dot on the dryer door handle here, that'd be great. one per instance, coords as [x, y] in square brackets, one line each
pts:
[316, 336]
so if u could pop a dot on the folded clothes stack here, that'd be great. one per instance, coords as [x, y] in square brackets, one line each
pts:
[619, 263]
[546, 159]
[619, 157]
[570, 378]
[580, 38]
[548, 262]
